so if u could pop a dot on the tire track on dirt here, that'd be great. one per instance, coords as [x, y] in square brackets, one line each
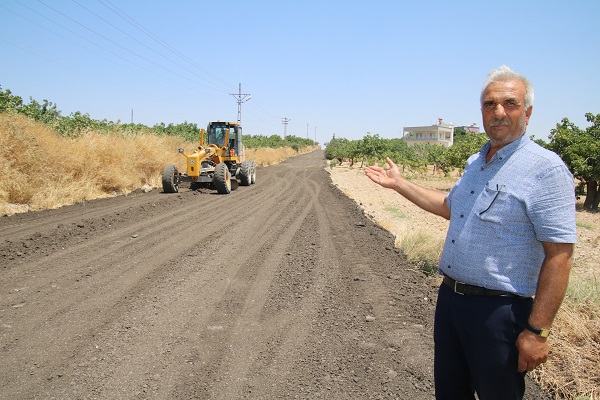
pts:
[114, 265]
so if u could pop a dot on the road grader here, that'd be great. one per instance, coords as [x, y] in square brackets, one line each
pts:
[218, 163]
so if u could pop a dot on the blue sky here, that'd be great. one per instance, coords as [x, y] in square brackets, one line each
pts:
[342, 67]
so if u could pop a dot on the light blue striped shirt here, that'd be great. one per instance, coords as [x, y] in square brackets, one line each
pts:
[502, 211]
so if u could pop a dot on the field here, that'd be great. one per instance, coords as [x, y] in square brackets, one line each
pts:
[574, 366]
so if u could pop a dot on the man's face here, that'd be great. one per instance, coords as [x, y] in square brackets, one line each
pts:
[505, 118]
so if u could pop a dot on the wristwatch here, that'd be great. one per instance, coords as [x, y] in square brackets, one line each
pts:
[542, 332]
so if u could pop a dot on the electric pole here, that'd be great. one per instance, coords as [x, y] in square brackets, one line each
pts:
[285, 121]
[241, 98]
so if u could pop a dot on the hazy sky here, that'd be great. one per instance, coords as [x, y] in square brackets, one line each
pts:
[343, 67]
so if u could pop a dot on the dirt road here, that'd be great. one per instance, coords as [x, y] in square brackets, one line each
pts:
[280, 290]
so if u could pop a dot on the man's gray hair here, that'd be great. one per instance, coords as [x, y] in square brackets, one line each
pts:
[506, 74]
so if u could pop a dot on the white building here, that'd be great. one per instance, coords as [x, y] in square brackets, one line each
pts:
[441, 134]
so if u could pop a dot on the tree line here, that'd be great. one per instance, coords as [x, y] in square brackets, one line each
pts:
[78, 123]
[374, 149]
[579, 149]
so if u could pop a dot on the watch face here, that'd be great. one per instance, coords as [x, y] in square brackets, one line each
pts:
[544, 332]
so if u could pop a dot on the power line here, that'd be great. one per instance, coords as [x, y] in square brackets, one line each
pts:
[128, 26]
[138, 41]
[158, 40]
[118, 45]
[78, 35]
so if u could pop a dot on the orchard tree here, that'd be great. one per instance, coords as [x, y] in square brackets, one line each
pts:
[580, 150]
[372, 148]
[337, 148]
[434, 155]
[400, 152]
[457, 155]
[460, 132]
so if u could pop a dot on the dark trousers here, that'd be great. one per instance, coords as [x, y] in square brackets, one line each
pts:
[475, 346]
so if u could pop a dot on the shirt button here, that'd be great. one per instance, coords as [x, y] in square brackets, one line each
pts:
[482, 168]
[453, 240]
[472, 192]
[462, 215]
[449, 266]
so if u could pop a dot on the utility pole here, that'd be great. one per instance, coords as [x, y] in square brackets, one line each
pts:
[241, 98]
[132, 115]
[307, 130]
[285, 121]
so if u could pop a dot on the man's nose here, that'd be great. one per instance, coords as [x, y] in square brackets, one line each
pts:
[499, 111]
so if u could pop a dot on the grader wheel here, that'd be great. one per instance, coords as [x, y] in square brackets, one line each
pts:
[246, 173]
[170, 179]
[222, 179]
[253, 174]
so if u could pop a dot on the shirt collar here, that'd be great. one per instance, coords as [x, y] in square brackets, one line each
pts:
[507, 150]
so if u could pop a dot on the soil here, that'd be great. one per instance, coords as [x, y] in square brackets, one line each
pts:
[285, 289]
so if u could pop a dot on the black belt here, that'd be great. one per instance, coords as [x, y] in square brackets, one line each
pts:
[470, 290]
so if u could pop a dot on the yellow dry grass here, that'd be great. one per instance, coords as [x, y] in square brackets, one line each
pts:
[42, 170]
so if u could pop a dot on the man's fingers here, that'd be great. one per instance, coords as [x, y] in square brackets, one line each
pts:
[522, 365]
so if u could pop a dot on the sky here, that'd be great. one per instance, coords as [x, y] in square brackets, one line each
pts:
[344, 68]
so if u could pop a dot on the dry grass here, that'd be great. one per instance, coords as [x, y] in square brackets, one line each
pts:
[573, 368]
[42, 170]
[420, 249]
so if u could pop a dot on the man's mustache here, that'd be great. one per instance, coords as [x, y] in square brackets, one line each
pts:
[499, 122]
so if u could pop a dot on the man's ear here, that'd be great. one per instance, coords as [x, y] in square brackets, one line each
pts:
[528, 114]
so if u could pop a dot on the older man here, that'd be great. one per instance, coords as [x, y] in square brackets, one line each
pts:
[507, 254]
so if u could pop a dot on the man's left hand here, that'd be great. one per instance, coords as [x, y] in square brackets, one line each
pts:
[533, 350]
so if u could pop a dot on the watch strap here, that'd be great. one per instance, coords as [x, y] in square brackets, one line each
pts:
[538, 331]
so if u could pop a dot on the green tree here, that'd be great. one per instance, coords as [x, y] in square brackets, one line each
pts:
[337, 148]
[402, 154]
[580, 150]
[458, 154]
[9, 102]
[434, 155]
[45, 112]
[373, 148]
[459, 132]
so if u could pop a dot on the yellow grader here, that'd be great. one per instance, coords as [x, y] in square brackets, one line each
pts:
[218, 163]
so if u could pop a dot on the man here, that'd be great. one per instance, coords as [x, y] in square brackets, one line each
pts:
[507, 254]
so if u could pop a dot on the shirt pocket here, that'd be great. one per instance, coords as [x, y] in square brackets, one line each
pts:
[493, 202]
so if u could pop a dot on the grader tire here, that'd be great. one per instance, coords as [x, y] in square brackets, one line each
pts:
[245, 173]
[253, 174]
[222, 179]
[170, 179]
